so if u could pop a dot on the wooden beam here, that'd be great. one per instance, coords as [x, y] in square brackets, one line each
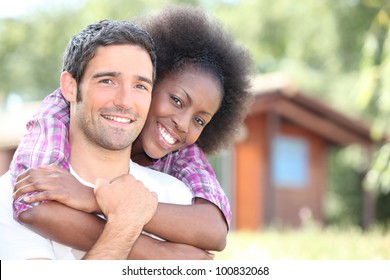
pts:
[322, 126]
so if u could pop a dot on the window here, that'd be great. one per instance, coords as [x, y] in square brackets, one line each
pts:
[290, 162]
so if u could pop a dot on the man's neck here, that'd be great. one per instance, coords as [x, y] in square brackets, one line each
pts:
[90, 161]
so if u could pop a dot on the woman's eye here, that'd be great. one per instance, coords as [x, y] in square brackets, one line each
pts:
[177, 101]
[200, 121]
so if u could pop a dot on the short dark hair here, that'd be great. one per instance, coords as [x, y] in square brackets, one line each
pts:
[82, 47]
[186, 36]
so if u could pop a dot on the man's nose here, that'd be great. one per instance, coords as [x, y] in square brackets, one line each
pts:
[125, 97]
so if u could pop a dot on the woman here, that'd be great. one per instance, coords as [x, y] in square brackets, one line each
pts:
[194, 65]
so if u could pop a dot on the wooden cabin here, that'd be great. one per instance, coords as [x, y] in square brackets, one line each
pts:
[280, 164]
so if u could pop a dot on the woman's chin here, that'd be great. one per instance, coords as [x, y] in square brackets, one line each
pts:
[156, 154]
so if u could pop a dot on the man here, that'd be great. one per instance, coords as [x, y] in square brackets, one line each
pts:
[108, 79]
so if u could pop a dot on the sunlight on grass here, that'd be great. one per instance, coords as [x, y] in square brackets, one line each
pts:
[307, 244]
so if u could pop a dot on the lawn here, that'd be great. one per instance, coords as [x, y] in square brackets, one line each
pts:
[307, 244]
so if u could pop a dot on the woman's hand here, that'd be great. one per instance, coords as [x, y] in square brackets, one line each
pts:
[55, 183]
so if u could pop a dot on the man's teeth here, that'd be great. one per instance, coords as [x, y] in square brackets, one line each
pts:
[118, 119]
[167, 137]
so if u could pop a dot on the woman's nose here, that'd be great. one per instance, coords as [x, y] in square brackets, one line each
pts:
[182, 122]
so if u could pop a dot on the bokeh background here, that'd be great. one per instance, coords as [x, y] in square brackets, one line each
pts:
[329, 61]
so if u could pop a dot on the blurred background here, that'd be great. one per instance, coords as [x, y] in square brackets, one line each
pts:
[309, 175]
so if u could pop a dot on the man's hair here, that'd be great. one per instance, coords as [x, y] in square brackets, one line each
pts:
[186, 37]
[82, 47]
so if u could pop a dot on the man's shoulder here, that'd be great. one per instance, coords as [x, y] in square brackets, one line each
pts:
[6, 176]
[6, 183]
[6, 190]
[168, 188]
[140, 171]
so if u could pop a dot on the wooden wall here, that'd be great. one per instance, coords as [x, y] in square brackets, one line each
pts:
[258, 203]
[250, 172]
[290, 203]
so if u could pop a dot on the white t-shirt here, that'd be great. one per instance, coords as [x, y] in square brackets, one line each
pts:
[18, 242]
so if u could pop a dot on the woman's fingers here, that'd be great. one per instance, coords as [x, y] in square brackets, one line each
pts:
[41, 184]
[44, 195]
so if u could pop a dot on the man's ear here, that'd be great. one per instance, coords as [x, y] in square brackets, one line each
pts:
[68, 86]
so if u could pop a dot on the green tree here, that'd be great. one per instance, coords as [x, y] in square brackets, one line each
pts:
[32, 45]
[374, 98]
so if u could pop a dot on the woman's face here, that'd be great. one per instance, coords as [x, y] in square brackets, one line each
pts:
[182, 105]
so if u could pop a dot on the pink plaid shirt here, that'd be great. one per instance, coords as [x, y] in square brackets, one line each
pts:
[46, 143]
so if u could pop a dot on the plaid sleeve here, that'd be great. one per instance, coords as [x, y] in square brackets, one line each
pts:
[19, 205]
[46, 139]
[45, 142]
[190, 166]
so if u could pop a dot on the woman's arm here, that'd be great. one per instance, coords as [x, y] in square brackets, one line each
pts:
[187, 224]
[148, 248]
[201, 224]
[63, 224]
[81, 230]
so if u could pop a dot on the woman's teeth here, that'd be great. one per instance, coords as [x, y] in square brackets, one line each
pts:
[167, 137]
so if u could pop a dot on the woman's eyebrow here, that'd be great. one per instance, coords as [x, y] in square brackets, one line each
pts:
[191, 101]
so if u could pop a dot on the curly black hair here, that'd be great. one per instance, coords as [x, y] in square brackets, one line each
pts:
[186, 36]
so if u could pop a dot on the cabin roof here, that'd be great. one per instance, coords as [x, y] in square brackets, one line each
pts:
[275, 93]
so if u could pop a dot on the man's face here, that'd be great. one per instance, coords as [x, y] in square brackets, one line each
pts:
[115, 96]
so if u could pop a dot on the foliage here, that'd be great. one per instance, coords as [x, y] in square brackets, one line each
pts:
[312, 41]
[374, 93]
[30, 54]
[374, 98]
[31, 46]
[344, 194]
[383, 211]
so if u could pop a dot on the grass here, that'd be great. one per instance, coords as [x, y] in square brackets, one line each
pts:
[307, 244]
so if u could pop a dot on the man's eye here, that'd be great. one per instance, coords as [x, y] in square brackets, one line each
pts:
[106, 81]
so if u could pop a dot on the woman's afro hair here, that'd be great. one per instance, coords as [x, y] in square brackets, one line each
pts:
[186, 35]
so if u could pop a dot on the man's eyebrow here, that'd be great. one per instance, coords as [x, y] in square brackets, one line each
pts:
[117, 74]
[106, 74]
[145, 79]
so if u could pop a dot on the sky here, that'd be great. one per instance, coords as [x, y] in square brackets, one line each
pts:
[15, 8]
[12, 8]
